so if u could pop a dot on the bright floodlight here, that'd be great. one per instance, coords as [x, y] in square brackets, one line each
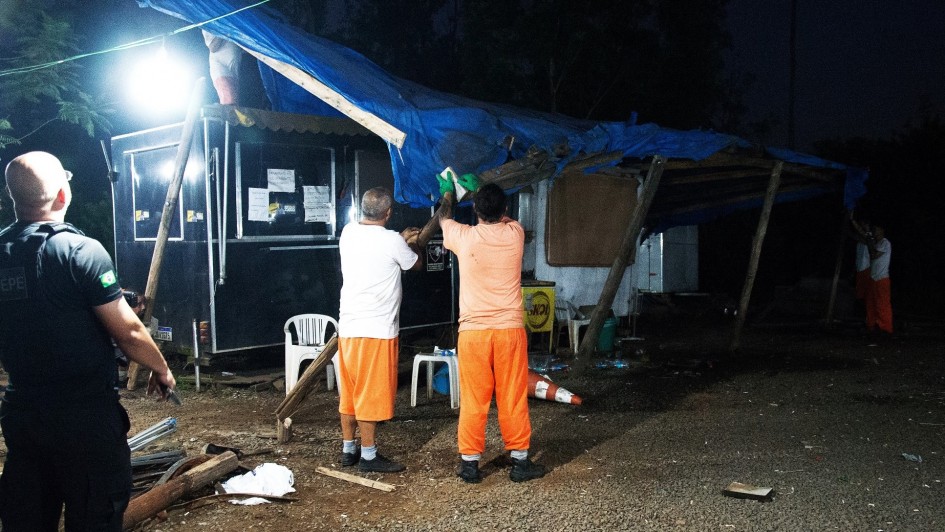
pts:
[159, 85]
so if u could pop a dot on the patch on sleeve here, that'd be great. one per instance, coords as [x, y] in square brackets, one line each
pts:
[107, 279]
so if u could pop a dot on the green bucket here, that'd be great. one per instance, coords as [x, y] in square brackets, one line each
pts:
[605, 342]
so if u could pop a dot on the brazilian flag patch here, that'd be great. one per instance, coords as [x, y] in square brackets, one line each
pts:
[107, 279]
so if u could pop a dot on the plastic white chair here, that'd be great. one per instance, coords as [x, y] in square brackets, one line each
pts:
[311, 333]
[430, 359]
[566, 315]
[562, 318]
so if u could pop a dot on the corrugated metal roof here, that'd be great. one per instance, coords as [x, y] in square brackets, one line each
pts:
[273, 121]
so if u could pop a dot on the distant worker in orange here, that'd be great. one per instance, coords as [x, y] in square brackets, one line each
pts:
[372, 258]
[878, 301]
[492, 346]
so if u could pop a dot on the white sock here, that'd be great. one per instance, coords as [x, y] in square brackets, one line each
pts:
[519, 454]
[368, 453]
[471, 457]
[348, 446]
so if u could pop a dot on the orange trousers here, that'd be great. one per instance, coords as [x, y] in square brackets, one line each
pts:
[879, 306]
[367, 370]
[862, 284]
[493, 361]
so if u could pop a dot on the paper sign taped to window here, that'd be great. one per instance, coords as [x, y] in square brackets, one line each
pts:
[258, 210]
[280, 179]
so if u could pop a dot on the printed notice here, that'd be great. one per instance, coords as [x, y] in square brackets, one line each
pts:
[258, 205]
[280, 179]
[315, 195]
[318, 212]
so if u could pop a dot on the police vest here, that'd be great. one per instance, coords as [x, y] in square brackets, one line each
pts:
[20, 262]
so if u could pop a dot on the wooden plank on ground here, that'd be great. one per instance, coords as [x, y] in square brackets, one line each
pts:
[356, 479]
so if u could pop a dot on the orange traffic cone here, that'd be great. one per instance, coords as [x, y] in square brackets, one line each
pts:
[542, 388]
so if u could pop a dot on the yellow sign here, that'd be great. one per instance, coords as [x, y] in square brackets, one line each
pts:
[539, 308]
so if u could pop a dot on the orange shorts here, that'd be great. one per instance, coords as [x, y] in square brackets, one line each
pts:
[367, 370]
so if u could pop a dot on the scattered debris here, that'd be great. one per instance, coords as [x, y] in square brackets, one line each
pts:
[266, 479]
[211, 448]
[747, 491]
[912, 457]
[158, 498]
[148, 435]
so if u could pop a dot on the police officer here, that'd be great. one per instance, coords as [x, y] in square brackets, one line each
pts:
[60, 305]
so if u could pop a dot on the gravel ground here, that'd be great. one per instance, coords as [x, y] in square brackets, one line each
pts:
[821, 417]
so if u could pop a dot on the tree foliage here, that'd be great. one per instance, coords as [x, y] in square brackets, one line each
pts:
[38, 90]
[904, 194]
[598, 59]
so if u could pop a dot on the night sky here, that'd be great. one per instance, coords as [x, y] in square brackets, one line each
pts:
[863, 66]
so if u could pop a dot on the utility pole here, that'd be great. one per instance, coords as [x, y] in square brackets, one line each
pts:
[792, 75]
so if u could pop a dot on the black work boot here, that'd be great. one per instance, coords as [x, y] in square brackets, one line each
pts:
[524, 470]
[469, 471]
[350, 459]
[380, 465]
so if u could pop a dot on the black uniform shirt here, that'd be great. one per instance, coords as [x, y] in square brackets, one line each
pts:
[52, 344]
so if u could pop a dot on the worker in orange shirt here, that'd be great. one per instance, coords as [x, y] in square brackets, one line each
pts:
[492, 346]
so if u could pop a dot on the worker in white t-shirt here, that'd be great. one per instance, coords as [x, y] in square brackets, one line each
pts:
[372, 258]
[878, 303]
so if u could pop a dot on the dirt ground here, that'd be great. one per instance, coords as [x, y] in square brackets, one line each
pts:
[833, 420]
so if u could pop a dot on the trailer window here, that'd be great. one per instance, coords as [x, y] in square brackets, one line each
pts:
[151, 172]
[285, 191]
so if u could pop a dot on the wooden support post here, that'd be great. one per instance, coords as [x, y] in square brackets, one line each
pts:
[167, 215]
[158, 498]
[308, 380]
[621, 261]
[828, 318]
[756, 243]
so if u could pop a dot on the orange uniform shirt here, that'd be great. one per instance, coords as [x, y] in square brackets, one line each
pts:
[490, 259]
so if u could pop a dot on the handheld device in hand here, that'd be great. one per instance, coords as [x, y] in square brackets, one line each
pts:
[171, 395]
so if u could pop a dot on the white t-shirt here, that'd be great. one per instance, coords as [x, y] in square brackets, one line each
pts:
[372, 258]
[862, 257]
[879, 269]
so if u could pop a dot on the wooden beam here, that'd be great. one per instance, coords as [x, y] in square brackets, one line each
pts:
[158, 498]
[727, 195]
[307, 381]
[728, 160]
[755, 254]
[534, 166]
[167, 215]
[713, 176]
[328, 95]
[621, 261]
[828, 318]
[383, 486]
[595, 159]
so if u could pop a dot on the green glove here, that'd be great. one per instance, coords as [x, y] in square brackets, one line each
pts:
[446, 184]
[469, 181]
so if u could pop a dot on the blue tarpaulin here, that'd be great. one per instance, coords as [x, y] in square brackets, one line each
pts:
[443, 129]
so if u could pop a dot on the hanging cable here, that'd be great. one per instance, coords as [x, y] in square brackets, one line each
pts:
[126, 46]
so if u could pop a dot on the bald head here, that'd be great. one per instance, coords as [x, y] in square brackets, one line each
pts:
[38, 186]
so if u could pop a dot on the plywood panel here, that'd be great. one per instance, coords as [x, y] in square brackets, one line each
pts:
[587, 216]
